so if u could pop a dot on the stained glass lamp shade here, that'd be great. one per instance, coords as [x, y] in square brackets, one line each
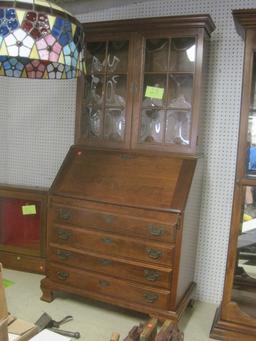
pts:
[39, 40]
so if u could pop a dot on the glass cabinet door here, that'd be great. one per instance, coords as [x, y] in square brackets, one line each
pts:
[244, 282]
[244, 285]
[251, 135]
[165, 110]
[105, 110]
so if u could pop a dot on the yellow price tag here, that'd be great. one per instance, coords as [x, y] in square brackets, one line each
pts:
[154, 92]
[29, 209]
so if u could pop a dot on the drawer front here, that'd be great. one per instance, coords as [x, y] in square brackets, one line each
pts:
[108, 286]
[111, 245]
[118, 221]
[155, 276]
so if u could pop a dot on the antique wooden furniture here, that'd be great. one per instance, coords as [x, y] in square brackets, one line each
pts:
[144, 84]
[236, 318]
[23, 213]
[124, 207]
[122, 229]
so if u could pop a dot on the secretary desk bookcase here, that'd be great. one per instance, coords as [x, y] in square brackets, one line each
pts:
[124, 206]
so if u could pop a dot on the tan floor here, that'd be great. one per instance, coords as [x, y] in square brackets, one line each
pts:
[95, 321]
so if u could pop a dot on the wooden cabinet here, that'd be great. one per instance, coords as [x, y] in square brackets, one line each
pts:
[126, 240]
[144, 84]
[124, 208]
[23, 214]
[236, 318]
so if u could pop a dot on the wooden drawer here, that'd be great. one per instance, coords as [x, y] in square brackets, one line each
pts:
[108, 286]
[146, 274]
[103, 243]
[132, 222]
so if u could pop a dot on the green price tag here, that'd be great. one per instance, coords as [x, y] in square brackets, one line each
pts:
[7, 283]
[154, 92]
[29, 209]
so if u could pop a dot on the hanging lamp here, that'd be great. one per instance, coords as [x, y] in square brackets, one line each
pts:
[39, 40]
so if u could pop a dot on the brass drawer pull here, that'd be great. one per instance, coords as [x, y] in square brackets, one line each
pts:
[153, 253]
[103, 283]
[108, 219]
[63, 255]
[64, 214]
[64, 235]
[105, 262]
[156, 231]
[150, 297]
[63, 276]
[151, 275]
[107, 240]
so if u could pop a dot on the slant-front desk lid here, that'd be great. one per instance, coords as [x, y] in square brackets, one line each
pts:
[136, 179]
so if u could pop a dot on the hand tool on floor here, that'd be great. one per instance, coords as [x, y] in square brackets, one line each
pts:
[169, 332]
[134, 333]
[149, 331]
[46, 322]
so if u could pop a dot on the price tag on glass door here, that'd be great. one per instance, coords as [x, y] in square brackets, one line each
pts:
[154, 92]
[29, 209]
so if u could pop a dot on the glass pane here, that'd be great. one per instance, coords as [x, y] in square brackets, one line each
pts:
[114, 126]
[251, 136]
[178, 127]
[95, 119]
[156, 81]
[156, 55]
[17, 228]
[84, 124]
[94, 87]
[244, 287]
[180, 91]
[116, 89]
[117, 60]
[95, 57]
[152, 125]
[183, 54]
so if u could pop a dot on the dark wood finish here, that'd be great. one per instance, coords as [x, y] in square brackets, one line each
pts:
[231, 322]
[26, 258]
[136, 31]
[122, 231]
[135, 222]
[21, 262]
[123, 214]
[126, 269]
[146, 188]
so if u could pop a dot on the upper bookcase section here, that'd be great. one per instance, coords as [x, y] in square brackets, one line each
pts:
[144, 83]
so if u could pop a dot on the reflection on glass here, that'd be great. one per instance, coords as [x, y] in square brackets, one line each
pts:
[114, 127]
[178, 127]
[152, 125]
[94, 90]
[84, 124]
[117, 59]
[244, 286]
[183, 54]
[94, 121]
[116, 91]
[95, 57]
[156, 59]
[157, 81]
[105, 90]
[180, 91]
[251, 136]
